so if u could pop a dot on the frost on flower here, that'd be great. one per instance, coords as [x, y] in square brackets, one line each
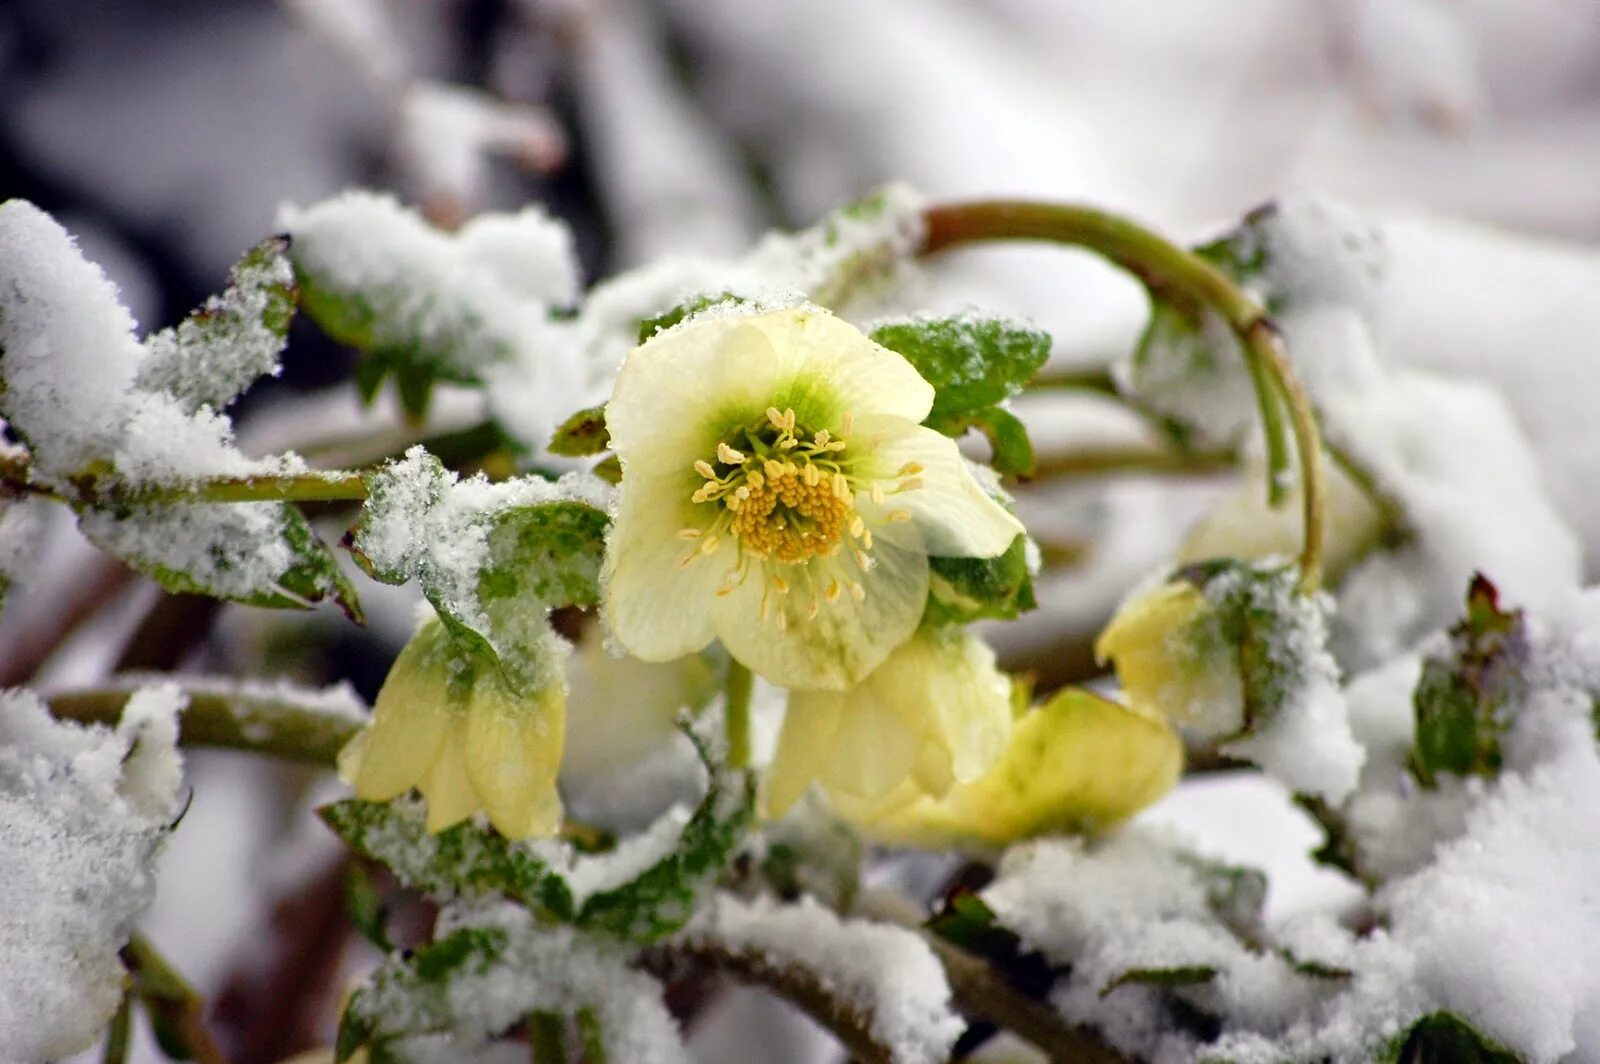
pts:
[448, 723]
[886, 974]
[1236, 654]
[82, 815]
[779, 494]
[936, 713]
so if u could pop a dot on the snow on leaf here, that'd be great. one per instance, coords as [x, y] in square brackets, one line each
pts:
[490, 966]
[234, 338]
[662, 897]
[489, 557]
[83, 812]
[972, 361]
[464, 860]
[1463, 700]
[22, 527]
[260, 553]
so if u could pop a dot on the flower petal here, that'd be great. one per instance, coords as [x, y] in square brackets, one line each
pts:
[817, 351]
[957, 519]
[447, 787]
[656, 607]
[513, 750]
[875, 748]
[949, 681]
[810, 725]
[680, 391]
[851, 632]
[412, 713]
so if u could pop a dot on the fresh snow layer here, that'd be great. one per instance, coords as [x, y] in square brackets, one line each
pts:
[83, 812]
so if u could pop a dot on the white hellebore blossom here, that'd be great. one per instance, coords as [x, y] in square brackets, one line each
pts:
[779, 494]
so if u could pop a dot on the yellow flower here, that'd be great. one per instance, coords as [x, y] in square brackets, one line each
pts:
[1171, 658]
[779, 494]
[446, 723]
[1078, 764]
[936, 713]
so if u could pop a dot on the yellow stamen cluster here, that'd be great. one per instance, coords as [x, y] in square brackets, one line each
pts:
[787, 494]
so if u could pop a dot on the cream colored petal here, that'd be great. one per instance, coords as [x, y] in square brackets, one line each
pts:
[409, 721]
[875, 749]
[826, 360]
[810, 725]
[657, 607]
[848, 635]
[678, 393]
[1166, 665]
[447, 787]
[949, 681]
[513, 751]
[956, 518]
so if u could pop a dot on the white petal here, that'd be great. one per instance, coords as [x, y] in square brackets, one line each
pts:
[656, 607]
[818, 350]
[846, 639]
[810, 724]
[956, 518]
[876, 746]
[685, 389]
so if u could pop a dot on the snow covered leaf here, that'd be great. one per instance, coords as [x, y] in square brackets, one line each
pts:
[1442, 1037]
[662, 898]
[259, 553]
[491, 558]
[230, 341]
[489, 968]
[1078, 764]
[83, 812]
[464, 860]
[422, 304]
[973, 363]
[1463, 700]
[961, 590]
[687, 309]
[581, 435]
[21, 532]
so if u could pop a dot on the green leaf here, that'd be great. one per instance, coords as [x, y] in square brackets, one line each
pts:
[582, 434]
[1444, 1038]
[551, 552]
[421, 981]
[225, 345]
[1463, 699]
[961, 590]
[364, 907]
[663, 897]
[464, 859]
[650, 326]
[1177, 976]
[1011, 452]
[217, 549]
[972, 362]
[1235, 894]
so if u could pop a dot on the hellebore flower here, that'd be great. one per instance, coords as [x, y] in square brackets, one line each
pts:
[779, 494]
[447, 723]
[936, 713]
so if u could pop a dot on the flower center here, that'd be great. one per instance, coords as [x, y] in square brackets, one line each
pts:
[787, 495]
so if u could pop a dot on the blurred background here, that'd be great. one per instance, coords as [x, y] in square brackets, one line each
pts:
[166, 136]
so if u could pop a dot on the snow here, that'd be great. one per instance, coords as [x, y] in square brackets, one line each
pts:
[22, 530]
[83, 812]
[445, 134]
[233, 549]
[885, 973]
[541, 968]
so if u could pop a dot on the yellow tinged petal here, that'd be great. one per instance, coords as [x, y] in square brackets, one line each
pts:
[513, 751]
[860, 376]
[810, 725]
[1164, 663]
[875, 749]
[1078, 764]
[656, 606]
[447, 787]
[398, 748]
[956, 517]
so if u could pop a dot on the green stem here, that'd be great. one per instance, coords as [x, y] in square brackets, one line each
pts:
[1189, 282]
[118, 1034]
[1135, 458]
[1096, 379]
[239, 721]
[171, 1002]
[547, 1037]
[16, 478]
[737, 719]
[591, 1036]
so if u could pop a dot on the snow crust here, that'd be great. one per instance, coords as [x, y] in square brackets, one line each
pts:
[886, 973]
[83, 812]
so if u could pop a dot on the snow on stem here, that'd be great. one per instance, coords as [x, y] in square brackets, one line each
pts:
[1177, 276]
